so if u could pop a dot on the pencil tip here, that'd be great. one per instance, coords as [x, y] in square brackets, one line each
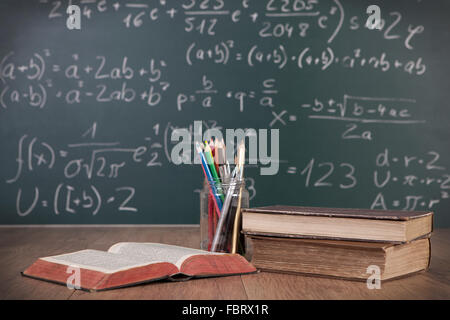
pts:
[198, 147]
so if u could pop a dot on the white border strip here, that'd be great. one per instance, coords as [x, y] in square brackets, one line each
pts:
[99, 225]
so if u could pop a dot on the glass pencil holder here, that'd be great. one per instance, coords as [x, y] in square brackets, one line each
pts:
[216, 233]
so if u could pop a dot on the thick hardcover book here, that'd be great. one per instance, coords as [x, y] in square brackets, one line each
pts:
[334, 223]
[130, 263]
[353, 260]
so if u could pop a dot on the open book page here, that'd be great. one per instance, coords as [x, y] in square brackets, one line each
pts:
[102, 261]
[157, 251]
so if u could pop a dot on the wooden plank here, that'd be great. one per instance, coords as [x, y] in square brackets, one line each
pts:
[19, 247]
[201, 289]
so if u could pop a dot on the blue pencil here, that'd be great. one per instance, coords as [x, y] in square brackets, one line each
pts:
[209, 176]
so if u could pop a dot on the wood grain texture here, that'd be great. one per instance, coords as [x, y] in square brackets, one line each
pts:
[20, 247]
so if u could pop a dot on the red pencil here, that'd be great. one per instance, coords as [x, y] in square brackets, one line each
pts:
[210, 188]
[212, 218]
[213, 145]
[211, 210]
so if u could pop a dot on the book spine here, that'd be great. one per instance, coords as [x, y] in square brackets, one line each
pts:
[429, 254]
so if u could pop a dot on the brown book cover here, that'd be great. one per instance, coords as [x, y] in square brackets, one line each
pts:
[130, 263]
[340, 259]
[399, 215]
[392, 226]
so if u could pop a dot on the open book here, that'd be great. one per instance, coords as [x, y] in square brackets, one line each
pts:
[130, 263]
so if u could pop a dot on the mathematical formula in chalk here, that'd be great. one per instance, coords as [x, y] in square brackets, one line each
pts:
[87, 115]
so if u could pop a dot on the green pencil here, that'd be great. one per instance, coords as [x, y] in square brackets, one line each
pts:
[212, 167]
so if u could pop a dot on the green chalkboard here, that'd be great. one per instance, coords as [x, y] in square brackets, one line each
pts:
[87, 115]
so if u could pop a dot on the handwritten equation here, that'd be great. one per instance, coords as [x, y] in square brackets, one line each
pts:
[87, 115]
[306, 58]
[273, 18]
[90, 161]
[424, 179]
[39, 75]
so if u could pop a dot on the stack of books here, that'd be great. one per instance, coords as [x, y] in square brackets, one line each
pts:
[340, 243]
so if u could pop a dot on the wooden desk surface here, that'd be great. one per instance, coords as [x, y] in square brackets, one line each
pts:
[19, 247]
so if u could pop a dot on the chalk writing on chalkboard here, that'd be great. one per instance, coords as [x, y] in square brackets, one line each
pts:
[87, 115]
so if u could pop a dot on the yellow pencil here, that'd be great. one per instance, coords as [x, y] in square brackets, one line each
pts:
[237, 218]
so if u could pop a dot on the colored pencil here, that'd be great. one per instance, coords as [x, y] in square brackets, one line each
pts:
[216, 202]
[223, 214]
[237, 217]
[223, 218]
[209, 177]
[211, 214]
[216, 155]
[220, 159]
[212, 167]
[227, 165]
